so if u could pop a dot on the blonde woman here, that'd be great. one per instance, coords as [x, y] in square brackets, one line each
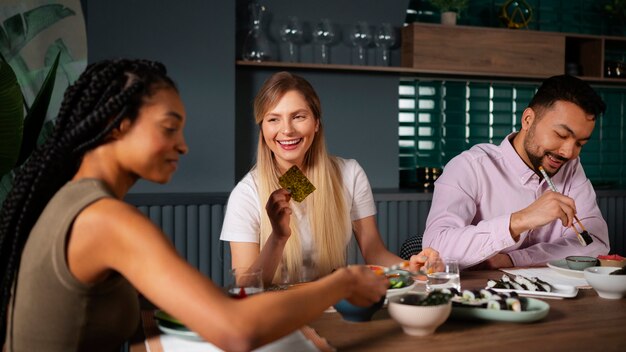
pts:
[293, 241]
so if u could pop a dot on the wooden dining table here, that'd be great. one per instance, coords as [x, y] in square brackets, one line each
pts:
[584, 323]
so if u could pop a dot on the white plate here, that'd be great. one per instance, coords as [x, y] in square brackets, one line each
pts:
[536, 310]
[181, 332]
[562, 291]
[560, 266]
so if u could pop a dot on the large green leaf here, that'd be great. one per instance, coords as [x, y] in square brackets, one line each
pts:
[37, 114]
[20, 29]
[11, 117]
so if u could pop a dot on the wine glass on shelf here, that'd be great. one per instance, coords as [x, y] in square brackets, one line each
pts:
[292, 33]
[256, 46]
[324, 35]
[361, 37]
[384, 39]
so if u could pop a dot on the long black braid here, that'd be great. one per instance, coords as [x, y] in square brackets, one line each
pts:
[107, 92]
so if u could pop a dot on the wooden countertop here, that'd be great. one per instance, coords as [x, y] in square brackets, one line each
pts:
[586, 322]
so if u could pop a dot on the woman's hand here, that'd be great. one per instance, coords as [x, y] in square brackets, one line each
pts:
[417, 261]
[367, 287]
[279, 212]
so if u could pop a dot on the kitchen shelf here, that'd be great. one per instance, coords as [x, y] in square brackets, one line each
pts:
[412, 71]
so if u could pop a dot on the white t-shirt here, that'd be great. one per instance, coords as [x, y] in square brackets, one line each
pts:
[242, 221]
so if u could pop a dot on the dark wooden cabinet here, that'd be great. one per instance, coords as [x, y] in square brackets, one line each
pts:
[496, 52]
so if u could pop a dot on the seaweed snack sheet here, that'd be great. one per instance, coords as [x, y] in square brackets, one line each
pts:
[295, 181]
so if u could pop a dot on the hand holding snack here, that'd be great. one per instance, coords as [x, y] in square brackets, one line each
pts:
[297, 183]
[278, 211]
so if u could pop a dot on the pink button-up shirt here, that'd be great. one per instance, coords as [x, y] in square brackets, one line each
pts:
[480, 189]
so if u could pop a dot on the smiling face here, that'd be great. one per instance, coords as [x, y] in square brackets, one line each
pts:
[554, 137]
[150, 146]
[289, 130]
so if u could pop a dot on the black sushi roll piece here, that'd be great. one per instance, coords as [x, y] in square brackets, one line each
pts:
[524, 303]
[586, 237]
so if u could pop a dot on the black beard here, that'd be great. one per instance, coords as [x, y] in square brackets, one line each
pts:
[535, 161]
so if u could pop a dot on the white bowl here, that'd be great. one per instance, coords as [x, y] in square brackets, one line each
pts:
[418, 320]
[607, 286]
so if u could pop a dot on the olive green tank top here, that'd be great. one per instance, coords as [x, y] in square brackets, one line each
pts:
[53, 311]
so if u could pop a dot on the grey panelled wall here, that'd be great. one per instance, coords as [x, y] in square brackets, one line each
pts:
[193, 223]
[613, 208]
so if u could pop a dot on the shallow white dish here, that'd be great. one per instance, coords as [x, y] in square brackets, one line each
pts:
[181, 332]
[563, 291]
[536, 310]
[560, 266]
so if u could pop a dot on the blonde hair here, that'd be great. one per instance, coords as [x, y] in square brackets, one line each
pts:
[327, 209]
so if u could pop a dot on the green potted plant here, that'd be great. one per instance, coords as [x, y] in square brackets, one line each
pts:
[450, 9]
[20, 125]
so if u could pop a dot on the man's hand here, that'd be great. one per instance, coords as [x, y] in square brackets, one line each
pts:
[547, 208]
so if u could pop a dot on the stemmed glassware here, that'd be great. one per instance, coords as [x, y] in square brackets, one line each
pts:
[361, 37]
[324, 35]
[384, 39]
[256, 46]
[292, 33]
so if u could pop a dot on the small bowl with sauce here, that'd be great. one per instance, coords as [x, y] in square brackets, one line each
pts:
[580, 262]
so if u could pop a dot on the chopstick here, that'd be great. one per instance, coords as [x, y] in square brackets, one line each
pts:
[584, 240]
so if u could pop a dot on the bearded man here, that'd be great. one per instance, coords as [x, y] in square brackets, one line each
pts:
[492, 208]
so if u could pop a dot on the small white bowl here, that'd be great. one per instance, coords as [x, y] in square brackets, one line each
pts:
[607, 286]
[418, 320]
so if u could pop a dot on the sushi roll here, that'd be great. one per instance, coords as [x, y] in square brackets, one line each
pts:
[546, 286]
[487, 293]
[525, 283]
[513, 304]
[469, 295]
[516, 286]
[524, 303]
[496, 305]
[499, 297]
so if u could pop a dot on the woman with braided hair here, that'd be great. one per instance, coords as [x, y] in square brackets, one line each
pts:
[73, 254]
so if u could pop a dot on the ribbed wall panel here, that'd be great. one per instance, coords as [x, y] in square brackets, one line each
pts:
[195, 229]
[614, 212]
[195, 232]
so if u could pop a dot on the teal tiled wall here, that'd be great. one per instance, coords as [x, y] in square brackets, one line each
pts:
[439, 119]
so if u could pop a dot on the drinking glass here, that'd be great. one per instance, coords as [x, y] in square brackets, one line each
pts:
[384, 39]
[361, 37]
[292, 33]
[256, 46]
[443, 273]
[324, 35]
[245, 282]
